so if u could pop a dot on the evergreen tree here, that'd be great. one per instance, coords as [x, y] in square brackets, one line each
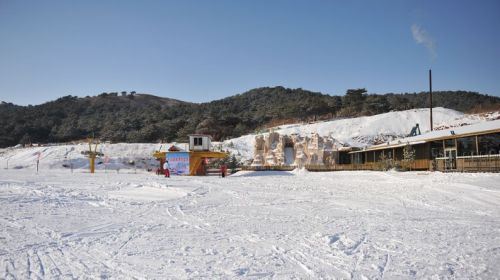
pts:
[408, 156]
[352, 102]
[233, 162]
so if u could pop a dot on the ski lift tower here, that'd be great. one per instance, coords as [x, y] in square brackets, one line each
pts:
[92, 154]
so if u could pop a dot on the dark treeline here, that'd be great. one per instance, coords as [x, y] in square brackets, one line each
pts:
[147, 118]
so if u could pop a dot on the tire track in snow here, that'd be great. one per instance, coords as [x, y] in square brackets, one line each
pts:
[40, 264]
[53, 269]
[353, 250]
[288, 255]
[384, 266]
[135, 235]
[7, 272]
[28, 265]
[185, 219]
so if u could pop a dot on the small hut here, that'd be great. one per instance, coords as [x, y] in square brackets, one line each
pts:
[193, 161]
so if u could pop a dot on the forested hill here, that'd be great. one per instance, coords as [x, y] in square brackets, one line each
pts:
[148, 118]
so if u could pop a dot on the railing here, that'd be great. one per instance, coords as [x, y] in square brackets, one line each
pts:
[485, 163]
[339, 167]
[268, 168]
[477, 163]
[421, 164]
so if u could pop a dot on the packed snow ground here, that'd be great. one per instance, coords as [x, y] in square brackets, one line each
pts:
[278, 225]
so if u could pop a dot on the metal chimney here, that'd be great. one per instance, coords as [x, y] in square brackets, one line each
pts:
[430, 95]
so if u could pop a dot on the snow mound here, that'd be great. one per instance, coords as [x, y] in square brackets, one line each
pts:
[300, 171]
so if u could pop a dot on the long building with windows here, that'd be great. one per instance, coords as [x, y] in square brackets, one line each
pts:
[468, 148]
[471, 148]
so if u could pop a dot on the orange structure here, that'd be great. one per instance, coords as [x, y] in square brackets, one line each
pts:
[199, 152]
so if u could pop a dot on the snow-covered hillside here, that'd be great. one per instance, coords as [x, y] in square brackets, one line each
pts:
[121, 156]
[354, 132]
[365, 131]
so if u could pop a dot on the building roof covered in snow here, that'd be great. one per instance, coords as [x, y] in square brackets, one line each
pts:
[175, 148]
[450, 133]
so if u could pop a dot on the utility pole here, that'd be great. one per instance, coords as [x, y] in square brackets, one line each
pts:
[430, 95]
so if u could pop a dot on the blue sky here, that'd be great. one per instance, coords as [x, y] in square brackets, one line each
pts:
[205, 50]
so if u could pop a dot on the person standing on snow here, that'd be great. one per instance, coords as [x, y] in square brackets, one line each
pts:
[166, 169]
[223, 170]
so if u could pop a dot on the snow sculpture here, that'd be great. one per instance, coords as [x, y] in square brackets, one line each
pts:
[315, 150]
[300, 156]
[258, 150]
[274, 149]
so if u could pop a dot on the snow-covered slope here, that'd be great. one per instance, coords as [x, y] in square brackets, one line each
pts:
[120, 155]
[354, 132]
[370, 130]
[263, 225]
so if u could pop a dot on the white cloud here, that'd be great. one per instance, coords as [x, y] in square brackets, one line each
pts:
[422, 37]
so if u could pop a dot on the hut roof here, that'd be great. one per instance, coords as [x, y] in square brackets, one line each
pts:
[450, 133]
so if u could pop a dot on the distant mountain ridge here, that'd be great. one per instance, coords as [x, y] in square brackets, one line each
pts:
[149, 118]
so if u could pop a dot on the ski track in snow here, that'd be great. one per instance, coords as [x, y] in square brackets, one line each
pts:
[349, 225]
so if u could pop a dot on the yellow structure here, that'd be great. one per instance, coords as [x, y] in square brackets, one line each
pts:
[92, 154]
[200, 148]
[160, 156]
[196, 159]
[199, 151]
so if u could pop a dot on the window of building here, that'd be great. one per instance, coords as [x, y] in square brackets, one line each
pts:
[466, 146]
[489, 144]
[344, 158]
[449, 143]
[421, 151]
[198, 141]
[398, 154]
[437, 149]
[358, 158]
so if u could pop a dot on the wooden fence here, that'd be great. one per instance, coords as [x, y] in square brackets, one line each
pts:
[339, 167]
[488, 163]
[268, 168]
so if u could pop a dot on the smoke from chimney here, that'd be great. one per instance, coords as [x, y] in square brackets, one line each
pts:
[422, 37]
